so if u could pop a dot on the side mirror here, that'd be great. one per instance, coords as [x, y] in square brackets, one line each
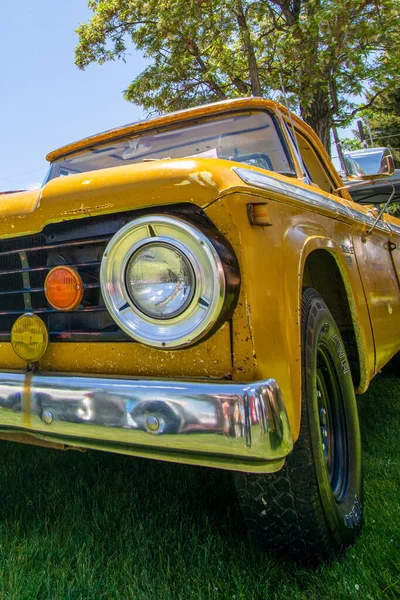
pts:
[370, 163]
[376, 191]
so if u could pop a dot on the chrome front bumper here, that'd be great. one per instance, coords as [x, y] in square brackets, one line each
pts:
[221, 424]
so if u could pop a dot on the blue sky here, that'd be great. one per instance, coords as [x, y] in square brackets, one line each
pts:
[45, 101]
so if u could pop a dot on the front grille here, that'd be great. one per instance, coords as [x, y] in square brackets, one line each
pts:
[25, 262]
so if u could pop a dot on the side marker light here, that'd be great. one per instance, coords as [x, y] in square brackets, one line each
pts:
[258, 214]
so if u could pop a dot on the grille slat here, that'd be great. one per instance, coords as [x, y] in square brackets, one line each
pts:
[53, 246]
[35, 269]
[47, 311]
[86, 286]
[24, 291]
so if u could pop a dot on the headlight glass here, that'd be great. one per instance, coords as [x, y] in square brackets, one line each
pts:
[160, 280]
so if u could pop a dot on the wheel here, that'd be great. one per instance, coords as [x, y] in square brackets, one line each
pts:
[312, 509]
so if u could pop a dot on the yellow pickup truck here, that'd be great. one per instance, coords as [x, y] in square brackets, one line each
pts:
[202, 288]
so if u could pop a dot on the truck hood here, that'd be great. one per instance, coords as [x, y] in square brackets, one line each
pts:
[18, 203]
[197, 181]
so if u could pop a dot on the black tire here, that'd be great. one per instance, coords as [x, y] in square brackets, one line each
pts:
[313, 508]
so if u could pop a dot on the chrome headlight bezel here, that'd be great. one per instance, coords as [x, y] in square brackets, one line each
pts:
[210, 296]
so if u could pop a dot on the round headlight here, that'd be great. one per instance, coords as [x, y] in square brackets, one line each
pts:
[163, 281]
[160, 280]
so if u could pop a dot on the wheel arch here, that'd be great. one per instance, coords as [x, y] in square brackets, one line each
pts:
[324, 268]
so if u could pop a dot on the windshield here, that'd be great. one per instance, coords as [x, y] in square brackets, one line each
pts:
[250, 138]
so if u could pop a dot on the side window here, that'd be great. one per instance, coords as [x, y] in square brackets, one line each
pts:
[314, 165]
[299, 158]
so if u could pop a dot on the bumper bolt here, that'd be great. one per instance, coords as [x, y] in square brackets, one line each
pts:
[47, 417]
[152, 423]
[322, 416]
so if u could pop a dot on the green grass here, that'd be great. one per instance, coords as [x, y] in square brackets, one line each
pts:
[97, 526]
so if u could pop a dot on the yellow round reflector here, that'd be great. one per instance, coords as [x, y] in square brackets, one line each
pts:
[63, 288]
[29, 337]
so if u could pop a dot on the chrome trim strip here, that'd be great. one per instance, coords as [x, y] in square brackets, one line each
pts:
[25, 280]
[312, 197]
[394, 228]
[243, 422]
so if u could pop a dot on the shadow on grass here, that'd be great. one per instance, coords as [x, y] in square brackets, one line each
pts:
[379, 409]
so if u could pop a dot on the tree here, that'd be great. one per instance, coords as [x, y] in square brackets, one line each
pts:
[349, 144]
[384, 121]
[205, 50]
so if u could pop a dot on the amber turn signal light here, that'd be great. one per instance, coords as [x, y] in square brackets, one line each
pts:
[63, 288]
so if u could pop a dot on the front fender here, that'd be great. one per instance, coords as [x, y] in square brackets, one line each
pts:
[267, 324]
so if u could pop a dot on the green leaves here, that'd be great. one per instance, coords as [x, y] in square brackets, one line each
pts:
[384, 120]
[205, 50]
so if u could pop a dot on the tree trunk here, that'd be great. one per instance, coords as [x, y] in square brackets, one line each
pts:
[245, 34]
[318, 115]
